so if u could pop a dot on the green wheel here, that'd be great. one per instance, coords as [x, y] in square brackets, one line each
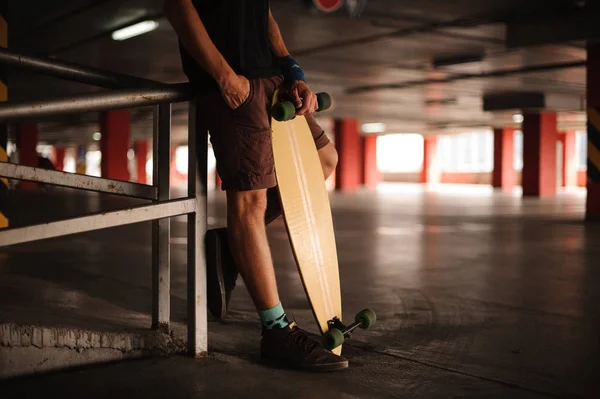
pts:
[333, 338]
[366, 318]
[283, 111]
[324, 101]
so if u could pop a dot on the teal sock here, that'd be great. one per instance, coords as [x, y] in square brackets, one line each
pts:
[274, 317]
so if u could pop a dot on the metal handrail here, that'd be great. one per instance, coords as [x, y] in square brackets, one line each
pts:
[73, 72]
[74, 180]
[100, 220]
[194, 206]
[95, 102]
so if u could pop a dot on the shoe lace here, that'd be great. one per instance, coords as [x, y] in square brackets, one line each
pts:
[301, 338]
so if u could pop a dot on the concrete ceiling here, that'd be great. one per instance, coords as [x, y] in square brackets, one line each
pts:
[419, 66]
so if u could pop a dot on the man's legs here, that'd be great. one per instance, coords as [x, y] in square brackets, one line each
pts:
[283, 343]
[247, 217]
[249, 245]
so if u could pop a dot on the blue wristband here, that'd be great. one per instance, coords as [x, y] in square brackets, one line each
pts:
[290, 69]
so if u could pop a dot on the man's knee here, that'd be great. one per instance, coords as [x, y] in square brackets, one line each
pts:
[247, 204]
[329, 159]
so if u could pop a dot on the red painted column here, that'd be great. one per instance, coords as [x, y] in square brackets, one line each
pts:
[27, 139]
[539, 154]
[177, 178]
[218, 181]
[504, 175]
[141, 157]
[370, 174]
[560, 138]
[115, 127]
[593, 115]
[569, 172]
[431, 172]
[348, 143]
[59, 158]
[173, 174]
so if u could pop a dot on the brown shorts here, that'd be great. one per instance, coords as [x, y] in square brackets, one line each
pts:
[241, 138]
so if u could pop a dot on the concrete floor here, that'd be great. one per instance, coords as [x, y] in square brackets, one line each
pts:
[478, 294]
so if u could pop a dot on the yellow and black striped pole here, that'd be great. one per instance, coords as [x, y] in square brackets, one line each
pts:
[3, 127]
[593, 150]
[592, 211]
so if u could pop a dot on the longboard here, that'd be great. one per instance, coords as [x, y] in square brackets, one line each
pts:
[308, 219]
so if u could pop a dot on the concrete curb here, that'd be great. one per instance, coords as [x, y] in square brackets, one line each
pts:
[29, 349]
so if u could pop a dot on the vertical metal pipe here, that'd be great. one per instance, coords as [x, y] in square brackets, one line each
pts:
[196, 298]
[161, 229]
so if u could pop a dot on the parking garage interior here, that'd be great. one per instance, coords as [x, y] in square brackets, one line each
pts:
[465, 202]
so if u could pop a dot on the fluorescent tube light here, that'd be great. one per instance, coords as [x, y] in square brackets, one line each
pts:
[134, 30]
[373, 127]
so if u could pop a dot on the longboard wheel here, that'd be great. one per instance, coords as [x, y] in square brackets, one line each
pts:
[283, 111]
[366, 318]
[324, 101]
[333, 338]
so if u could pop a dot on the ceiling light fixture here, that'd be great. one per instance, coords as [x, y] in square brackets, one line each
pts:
[134, 30]
[518, 118]
[97, 136]
[373, 127]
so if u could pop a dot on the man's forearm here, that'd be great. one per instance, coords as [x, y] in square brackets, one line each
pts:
[191, 31]
[277, 44]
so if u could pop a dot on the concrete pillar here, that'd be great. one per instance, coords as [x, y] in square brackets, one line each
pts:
[431, 172]
[539, 154]
[370, 174]
[504, 175]
[348, 143]
[569, 171]
[141, 157]
[27, 140]
[593, 116]
[114, 144]
[59, 157]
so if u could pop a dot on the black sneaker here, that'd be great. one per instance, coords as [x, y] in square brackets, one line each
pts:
[221, 272]
[291, 347]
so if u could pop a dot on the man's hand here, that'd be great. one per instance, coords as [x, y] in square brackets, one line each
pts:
[235, 90]
[191, 31]
[302, 97]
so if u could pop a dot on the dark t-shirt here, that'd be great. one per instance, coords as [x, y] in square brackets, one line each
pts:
[240, 31]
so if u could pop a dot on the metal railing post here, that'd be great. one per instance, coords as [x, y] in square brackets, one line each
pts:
[161, 230]
[196, 297]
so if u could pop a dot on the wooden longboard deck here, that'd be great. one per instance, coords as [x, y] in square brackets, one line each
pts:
[307, 216]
